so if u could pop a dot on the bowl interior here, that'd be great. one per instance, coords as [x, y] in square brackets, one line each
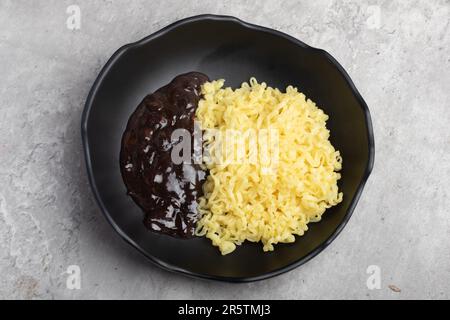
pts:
[221, 48]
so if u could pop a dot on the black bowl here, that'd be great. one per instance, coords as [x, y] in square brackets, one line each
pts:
[222, 47]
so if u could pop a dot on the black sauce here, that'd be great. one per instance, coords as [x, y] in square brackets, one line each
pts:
[167, 192]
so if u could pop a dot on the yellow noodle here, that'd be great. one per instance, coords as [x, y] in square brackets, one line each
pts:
[244, 201]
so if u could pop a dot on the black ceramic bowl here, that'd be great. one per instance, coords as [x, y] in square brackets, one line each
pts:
[222, 47]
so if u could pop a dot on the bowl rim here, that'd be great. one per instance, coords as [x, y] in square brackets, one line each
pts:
[169, 267]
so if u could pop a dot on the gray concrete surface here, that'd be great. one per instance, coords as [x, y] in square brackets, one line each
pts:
[398, 56]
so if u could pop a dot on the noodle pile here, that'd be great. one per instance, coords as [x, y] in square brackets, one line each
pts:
[265, 201]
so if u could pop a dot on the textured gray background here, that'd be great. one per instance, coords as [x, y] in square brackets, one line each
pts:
[48, 218]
